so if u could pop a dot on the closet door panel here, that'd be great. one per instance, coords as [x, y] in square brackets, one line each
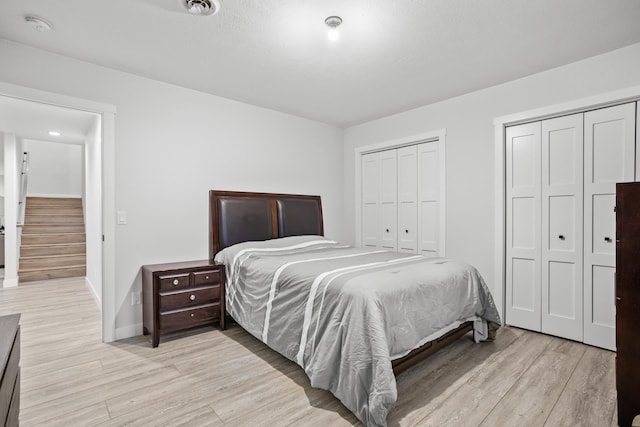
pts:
[604, 225]
[609, 158]
[562, 288]
[371, 200]
[389, 199]
[407, 232]
[524, 295]
[429, 229]
[523, 232]
[603, 289]
[428, 203]
[561, 249]
[407, 199]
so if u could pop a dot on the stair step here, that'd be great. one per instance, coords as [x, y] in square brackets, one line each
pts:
[53, 201]
[48, 238]
[51, 273]
[53, 219]
[53, 239]
[52, 249]
[56, 210]
[51, 261]
[52, 228]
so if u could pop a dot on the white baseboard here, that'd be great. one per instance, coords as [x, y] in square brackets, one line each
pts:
[11, 282]
[129, 331]
[97, 298]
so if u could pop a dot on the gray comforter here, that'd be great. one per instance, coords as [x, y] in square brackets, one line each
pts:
[343, 313]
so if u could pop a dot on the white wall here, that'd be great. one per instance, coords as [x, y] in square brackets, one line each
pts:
[12, 169]
[172, 146]
[55, 169]
[468, 120]
[92, 198]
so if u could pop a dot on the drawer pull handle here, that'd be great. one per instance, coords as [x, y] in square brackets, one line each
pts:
[406, 231]
[561, 237]
[176, 282]
[192, 297]
[206, 277]
[192, 314]
[607, 239]
[387, 230]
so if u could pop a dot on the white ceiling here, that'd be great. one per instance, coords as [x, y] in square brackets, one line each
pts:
[32, 120]
[392, 55]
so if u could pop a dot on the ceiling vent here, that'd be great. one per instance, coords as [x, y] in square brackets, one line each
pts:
[201, 7]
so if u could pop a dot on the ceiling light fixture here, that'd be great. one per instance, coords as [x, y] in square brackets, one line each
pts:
[38, 23]
[333, 22]
[201, 7]
[54, 133]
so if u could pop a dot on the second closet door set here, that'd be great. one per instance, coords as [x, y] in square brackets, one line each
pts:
[560, 234]
[400, 199]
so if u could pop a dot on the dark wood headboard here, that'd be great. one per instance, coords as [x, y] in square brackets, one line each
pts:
[237, 217]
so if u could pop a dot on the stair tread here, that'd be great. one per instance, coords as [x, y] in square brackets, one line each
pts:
[53, 234]
[46, 245]
[66, 267]
[52, 256]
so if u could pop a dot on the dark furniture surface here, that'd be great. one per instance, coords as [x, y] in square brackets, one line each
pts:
[9, 370]
[244, 216]
[181, 295]
[628, 301]
[238, 217]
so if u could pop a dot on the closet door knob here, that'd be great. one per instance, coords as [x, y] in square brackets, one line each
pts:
[387, 230]
[607, 239]
[406, 231]
[561, 237]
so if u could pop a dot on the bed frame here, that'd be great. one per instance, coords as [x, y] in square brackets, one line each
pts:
[244, 216]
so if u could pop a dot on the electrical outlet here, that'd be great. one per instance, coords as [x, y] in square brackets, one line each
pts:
[135, 298]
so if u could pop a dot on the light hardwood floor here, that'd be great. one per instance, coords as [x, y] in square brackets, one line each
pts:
[213, 378]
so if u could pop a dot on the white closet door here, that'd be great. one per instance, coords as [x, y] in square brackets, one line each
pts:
[609, 158]
[562, 177]
[371, 200]
[523, 226]
[428, 203]
[389, 199]
[407, 199]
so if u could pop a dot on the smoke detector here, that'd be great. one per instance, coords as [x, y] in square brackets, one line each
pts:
[38, 23]
[201, 7]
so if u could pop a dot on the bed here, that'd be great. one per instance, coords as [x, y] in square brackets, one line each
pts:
[352, 318]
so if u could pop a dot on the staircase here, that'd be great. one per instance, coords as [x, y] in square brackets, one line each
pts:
[53, 239]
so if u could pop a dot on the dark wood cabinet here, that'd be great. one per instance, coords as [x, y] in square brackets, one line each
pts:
[182, 295]
[9, 370]
[628, 301]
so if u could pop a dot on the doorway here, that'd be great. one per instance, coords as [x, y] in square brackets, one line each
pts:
[29, 114]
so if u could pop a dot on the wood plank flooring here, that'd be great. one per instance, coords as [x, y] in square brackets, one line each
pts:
[212, 378]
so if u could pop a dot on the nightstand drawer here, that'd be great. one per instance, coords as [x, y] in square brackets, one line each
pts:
[180, 319]
[189, 298]
[211, 277]
[174, 281]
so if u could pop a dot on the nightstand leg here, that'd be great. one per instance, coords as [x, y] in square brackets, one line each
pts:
[155, 339]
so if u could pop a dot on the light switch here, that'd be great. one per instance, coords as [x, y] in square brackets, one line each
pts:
[121, 217]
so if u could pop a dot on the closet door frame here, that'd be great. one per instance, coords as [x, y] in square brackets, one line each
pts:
[439, 137]
[501, 123]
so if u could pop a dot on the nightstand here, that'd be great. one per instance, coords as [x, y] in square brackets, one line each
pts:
[181, 295]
